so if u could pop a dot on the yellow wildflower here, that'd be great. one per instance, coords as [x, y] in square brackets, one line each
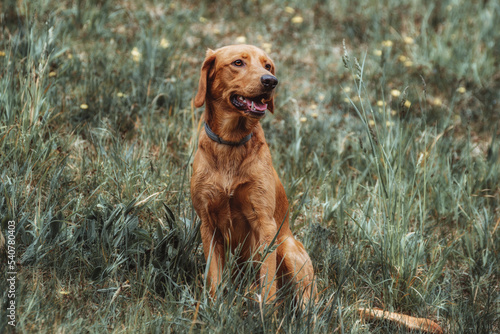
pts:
[267, 47]
[395, 92]
[297, 19]
[164, 43]
[136, 55]
[241, 39]
[289, 10]
[84, 106]
[377, 53]
[388, 43]
[408, 40]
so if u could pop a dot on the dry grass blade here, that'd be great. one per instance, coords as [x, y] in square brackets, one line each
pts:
[407, 321]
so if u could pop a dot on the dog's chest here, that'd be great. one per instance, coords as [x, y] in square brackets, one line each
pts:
[235, 190]
[228, 182]
[229, 173]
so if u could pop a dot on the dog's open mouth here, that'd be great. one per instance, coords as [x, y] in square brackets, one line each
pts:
[256, 106]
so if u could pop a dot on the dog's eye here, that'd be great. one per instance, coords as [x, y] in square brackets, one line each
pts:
[238, 62]
[268, 67]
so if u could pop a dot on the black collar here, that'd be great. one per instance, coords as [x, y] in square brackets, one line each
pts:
[219, 140]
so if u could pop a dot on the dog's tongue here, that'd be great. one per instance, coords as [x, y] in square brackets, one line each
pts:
[256, 105]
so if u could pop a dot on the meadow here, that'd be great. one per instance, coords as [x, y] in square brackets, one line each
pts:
[385, 136]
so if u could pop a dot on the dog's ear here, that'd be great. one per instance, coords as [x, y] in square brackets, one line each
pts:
[270, 104]
[199, 100]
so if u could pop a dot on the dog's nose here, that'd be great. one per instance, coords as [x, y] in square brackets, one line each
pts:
[269, 81]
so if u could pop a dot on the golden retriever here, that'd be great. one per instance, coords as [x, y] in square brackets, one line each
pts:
[236, 192]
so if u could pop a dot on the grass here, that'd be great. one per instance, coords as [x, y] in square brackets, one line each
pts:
[385, 137]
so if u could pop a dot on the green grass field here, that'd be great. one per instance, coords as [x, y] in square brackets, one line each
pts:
[385, 135]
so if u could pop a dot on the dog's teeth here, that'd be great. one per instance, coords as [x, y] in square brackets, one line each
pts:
[241, 98]
[253, 107]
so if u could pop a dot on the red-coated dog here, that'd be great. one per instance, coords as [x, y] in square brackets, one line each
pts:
[235, 190]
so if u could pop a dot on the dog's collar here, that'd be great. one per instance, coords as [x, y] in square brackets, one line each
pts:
[219, 140]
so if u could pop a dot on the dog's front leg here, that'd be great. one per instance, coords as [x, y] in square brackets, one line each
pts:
[264, 235]
[213, 248]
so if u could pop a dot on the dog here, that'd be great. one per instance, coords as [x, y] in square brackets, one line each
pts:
[235, 189]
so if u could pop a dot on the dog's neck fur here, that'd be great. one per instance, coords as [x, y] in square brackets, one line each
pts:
[232, 127]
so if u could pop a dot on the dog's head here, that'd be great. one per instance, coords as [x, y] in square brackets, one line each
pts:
[240, 78]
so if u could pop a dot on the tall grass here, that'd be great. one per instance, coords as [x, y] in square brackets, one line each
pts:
[385, 137]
